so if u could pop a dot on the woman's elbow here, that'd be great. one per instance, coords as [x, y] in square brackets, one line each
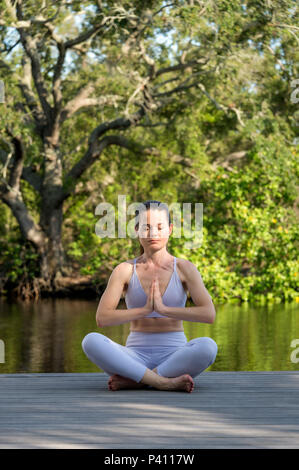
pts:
[212, 315]
[100, 321]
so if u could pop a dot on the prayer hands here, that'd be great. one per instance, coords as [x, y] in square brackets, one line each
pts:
[158, 301]
[154, 299]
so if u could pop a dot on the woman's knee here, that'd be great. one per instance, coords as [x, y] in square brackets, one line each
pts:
[91, 340]
[207, 347]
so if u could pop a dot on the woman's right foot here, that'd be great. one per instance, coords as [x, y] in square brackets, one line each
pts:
[117, 382]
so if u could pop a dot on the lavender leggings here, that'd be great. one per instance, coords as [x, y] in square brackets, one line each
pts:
[170, 352]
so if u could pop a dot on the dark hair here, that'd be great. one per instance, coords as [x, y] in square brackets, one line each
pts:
[147, 205]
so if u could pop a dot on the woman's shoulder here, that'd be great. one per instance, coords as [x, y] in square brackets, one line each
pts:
[185, 266]
[125, 267]
[183, 263]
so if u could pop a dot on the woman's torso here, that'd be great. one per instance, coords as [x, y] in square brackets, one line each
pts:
[172, 283]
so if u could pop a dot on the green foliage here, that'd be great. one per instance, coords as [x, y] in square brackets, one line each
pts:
[243, 58]
[19, 261]
[250, 227]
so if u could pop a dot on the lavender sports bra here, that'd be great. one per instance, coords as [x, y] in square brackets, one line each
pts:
[174, 296]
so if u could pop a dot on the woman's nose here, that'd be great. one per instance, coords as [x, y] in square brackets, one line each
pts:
[153, 232]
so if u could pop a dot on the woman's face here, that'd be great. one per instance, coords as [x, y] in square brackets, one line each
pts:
[153, 228]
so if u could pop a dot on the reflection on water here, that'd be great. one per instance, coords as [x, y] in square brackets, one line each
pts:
[45, 336]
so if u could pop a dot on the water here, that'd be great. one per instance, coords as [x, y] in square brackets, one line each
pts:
[45, 336]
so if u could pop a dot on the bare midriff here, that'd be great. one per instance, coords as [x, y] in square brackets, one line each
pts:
[156, 325]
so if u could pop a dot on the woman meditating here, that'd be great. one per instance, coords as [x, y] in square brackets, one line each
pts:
[157, 352]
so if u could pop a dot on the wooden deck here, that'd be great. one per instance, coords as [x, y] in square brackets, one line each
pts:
[225, 410]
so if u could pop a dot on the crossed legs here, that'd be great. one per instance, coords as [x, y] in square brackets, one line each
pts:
[128, 370]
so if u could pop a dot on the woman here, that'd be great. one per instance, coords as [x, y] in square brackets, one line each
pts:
[156, 353]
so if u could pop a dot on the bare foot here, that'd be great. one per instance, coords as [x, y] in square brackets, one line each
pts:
[183, 382]
[117, 382]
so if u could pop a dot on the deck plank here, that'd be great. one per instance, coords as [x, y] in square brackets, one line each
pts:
[225, 410]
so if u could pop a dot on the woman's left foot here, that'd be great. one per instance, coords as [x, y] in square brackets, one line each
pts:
[117, 382]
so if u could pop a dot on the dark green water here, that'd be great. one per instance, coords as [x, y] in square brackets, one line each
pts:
[45, 336]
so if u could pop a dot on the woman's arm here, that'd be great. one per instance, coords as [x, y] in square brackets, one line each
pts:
[203, 314]
[107, 312]
[204, 311]
[110, 317]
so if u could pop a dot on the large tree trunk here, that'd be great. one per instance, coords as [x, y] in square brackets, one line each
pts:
[51, 215]
[53, 259]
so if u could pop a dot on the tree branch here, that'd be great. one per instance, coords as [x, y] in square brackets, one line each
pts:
[83, 36]
[278, 60]
[94, 151]
[28, 174]
[82, 100]
[17, 162]
[182, 66]
[221, 106]
[177, 89]
[119, 124]
[29, 229]
[26, 89]
[29, 45]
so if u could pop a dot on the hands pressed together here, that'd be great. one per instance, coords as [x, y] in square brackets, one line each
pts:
[154, 299]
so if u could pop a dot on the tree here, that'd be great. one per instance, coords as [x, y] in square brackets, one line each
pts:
[120, 73]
